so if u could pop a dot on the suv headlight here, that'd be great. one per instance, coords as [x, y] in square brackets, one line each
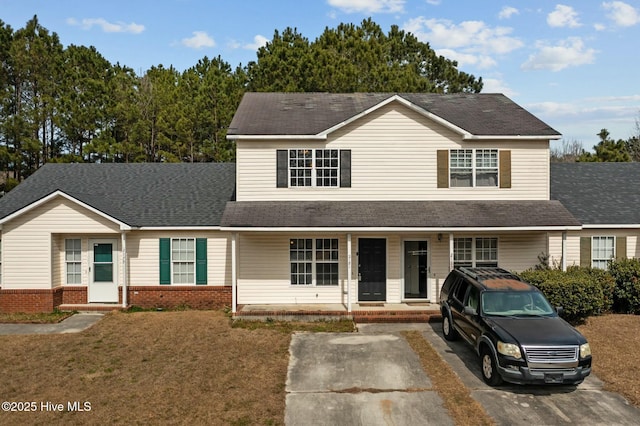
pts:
[509, 349]
[585, 350]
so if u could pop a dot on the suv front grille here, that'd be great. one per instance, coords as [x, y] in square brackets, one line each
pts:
[551, 354]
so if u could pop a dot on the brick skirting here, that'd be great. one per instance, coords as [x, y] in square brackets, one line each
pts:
[166, 297]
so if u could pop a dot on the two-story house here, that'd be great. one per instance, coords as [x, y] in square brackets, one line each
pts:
[346, 198]
[334, 199]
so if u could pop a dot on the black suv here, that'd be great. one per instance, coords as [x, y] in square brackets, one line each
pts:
[518, 335]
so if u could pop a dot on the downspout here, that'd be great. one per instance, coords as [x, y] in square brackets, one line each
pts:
[349, 273]
[564, 251]
[234, 301]
[123, 239]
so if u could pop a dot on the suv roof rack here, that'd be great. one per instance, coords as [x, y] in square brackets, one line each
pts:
[483, 273]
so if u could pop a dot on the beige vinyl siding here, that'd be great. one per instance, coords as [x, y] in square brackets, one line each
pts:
[573, 243]
[143, 252]
[28, 246]
[393, 157]
[517, 252]
[264, 271]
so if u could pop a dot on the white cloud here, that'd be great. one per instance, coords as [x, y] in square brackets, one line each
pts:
[464, 59]
[368, 6]
[434, 2]
[199, 40]
[468, 34]
[494, 85]
[507, 12]
[563, 16]
[599, 27]
[258, 42]
[622, 14]
[567, 53]
[107, 27]
[469, 42]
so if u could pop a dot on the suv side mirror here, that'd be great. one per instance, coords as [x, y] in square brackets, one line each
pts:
[560, 310]
[468, 310]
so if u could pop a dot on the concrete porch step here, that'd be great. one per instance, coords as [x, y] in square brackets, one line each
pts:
[92, 307]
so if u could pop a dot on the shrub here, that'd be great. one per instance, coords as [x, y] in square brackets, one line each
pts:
[581, 292]
[626, 273]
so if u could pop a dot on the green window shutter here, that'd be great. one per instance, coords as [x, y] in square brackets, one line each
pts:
[443, 168]
[585, 251]
[201, 260]
[345, 168]
[505, 169]
[282, 168]
[621, 248]
[165, 261]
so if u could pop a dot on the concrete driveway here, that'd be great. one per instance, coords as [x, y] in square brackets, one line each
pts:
[586, 404]
[358, 379]
[374, 378]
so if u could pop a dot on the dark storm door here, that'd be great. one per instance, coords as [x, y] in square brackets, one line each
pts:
[372, 269]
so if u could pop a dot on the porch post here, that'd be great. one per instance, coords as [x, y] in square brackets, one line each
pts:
[123, 238]
[348, 273]
[450, 251]
[564, 251]
[234, 301]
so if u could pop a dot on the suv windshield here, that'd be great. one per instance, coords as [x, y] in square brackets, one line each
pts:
[520, 303]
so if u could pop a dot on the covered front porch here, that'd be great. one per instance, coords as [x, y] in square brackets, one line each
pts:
[360, 312]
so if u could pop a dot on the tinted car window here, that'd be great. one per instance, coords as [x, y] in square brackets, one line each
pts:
[461, 289]
[472, 299]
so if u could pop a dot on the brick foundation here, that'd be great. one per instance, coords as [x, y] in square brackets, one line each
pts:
[166, 297]
[194, 297]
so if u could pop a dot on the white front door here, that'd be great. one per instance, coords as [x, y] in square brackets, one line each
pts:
[103, 271]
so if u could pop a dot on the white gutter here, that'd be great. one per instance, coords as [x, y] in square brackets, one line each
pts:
[611, 226]
[349, 269]
[398, 229]
[234, 301]
[511, 137]
[178, 228]
[123, 238]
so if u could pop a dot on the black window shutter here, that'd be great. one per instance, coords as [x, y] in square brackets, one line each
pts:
[345, 168]
[282, 168]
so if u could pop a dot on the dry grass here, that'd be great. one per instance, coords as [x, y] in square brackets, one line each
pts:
[615, 345]
[150, 368]
[455, 395]
[193, 367]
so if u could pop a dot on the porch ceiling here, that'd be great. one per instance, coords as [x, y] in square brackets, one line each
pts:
[398, 214]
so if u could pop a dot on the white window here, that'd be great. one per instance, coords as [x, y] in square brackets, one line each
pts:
[473, 167]
[183, 260]
[307, 261]
[602, 251]
[73, 260]
[314, 167]
[475, 252]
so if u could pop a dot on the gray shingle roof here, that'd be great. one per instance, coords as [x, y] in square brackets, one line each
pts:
[139, 194]
[313, 113]
[409, 214]
[598, 193]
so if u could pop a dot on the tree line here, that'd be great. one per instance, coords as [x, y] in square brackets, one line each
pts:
[69, 104]
[606, 150]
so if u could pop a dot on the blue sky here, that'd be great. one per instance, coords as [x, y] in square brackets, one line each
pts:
[575, 64]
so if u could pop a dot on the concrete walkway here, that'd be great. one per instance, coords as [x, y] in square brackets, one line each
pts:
[74, 324]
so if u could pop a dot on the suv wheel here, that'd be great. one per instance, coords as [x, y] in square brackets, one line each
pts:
[489, 368]
[449, 332]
